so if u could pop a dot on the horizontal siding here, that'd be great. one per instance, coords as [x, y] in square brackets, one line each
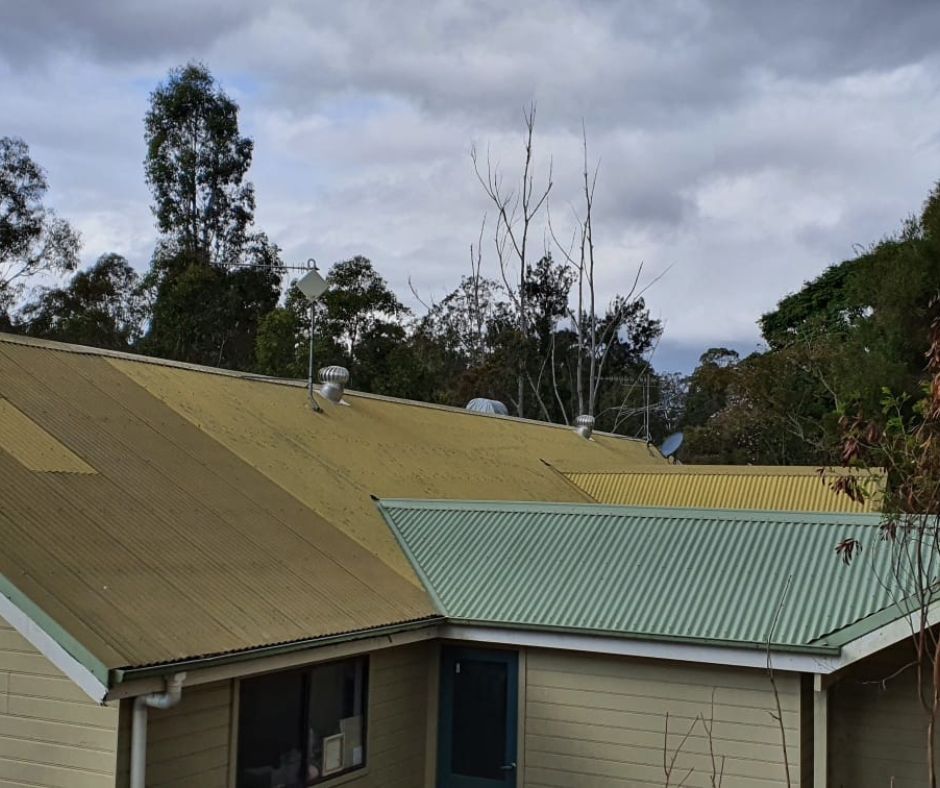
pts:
[189, 746]
[878, 732]
[397, 721]
[51, 733]
[600, 722]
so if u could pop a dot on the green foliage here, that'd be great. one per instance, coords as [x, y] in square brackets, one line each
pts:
[32, 238]
[280, 349]
[359, 305]
[209, 314]
[196, 164]
[212, 281]
[358, 322]
[709, 385]
[859, 328]
[102, 307]
[467, 345]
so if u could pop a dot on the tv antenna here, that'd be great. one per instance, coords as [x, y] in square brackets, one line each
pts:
[312, 285]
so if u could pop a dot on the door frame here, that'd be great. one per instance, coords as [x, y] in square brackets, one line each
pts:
[515, 660]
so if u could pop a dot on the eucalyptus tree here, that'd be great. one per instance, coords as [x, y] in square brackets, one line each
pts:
[196, 165]
[33, 240]
[212, 278]
[101, 306]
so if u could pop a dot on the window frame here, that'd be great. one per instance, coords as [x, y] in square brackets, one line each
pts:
[338, 778]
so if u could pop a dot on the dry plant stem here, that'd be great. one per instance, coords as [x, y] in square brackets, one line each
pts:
[515, 212]
[579, 255]
[670, 763]
[476, 310]
[773, 681]
[717, 771]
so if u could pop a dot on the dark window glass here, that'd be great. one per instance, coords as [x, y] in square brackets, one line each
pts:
[479, 719]
[270, 721]
[300, 728]
[336, 719]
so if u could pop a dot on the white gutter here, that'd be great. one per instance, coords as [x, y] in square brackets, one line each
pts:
[648, 649]
[155, 700]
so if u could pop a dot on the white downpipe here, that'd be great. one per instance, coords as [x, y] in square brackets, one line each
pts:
[155, 700]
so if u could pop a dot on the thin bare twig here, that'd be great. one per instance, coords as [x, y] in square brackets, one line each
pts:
[669, 765]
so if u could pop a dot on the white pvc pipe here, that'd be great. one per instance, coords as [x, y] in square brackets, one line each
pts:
[155, 700]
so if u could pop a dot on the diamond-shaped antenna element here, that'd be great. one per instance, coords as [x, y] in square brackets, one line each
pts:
[312, 285]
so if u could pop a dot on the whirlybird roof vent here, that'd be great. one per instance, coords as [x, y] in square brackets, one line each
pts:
[483, 405]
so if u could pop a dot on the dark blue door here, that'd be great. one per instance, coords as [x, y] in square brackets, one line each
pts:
[478, 713]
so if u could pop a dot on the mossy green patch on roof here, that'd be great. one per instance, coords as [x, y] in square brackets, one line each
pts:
[715, 576]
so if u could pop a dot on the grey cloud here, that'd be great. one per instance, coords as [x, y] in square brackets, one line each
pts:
[747, 144]
[37, 31]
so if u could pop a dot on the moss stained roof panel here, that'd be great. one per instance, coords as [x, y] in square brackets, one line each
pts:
[222, 515]
[784, 488]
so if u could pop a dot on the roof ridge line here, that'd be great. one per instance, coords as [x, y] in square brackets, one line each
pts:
[728, 470]
[602, 509]
[121, 355]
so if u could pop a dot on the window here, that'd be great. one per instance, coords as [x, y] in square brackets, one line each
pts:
[302, 727]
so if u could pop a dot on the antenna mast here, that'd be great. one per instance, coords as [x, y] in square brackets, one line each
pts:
[312, 285]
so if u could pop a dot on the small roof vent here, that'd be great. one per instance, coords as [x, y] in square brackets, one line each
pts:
[333, 380]
[584, 425]
[483, 405]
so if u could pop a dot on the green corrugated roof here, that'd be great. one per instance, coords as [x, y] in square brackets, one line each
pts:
[713, 576]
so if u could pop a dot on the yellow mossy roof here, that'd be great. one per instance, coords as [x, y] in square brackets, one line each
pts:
[173, 511]
[767, 487]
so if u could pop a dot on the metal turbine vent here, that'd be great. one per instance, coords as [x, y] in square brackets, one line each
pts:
[483, 405]
[333, 379]
[584, 425]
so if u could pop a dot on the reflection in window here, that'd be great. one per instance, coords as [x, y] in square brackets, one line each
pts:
[300, 728]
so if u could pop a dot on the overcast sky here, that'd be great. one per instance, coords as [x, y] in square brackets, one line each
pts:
[743, 145]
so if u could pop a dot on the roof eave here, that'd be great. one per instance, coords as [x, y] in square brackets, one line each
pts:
[118, 676]
[773, 648]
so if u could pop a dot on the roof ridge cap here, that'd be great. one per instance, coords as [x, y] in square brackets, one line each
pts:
[870, 519]
[121, 355]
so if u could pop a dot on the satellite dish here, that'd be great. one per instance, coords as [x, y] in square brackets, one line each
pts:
[672, 444]
[312, 285]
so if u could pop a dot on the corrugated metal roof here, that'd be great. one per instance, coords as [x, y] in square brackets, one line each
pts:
[222, 514]
[381, 446]
[35, 448]
[782, 488]
[175, 548]
[674, 574]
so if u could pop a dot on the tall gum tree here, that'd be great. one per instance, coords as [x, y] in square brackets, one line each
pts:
[196, 165]
[33, 240]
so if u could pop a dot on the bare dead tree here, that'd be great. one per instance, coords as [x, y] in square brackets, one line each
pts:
[593, 341]
[475, 307]
[517, 209]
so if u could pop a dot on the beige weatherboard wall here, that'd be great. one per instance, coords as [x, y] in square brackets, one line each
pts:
[194, 745]
[596, 721]
[51, 733]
